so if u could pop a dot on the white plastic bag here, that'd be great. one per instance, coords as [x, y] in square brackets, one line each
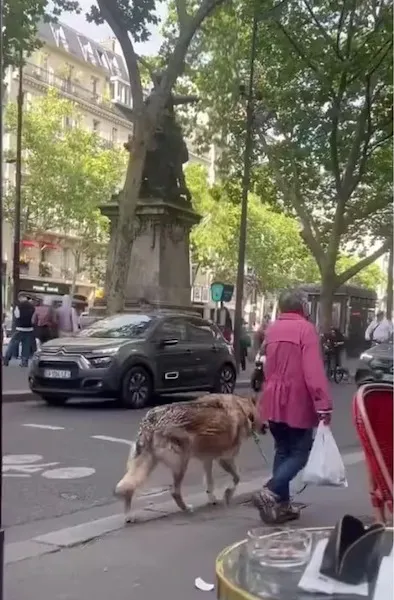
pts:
[325, 465]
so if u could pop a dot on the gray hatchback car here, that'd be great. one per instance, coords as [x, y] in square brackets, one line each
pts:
[133, 356]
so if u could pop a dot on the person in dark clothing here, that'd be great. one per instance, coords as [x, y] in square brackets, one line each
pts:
[24, 332]
[333, 343]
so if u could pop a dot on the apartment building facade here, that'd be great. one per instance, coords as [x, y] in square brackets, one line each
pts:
[93, 76]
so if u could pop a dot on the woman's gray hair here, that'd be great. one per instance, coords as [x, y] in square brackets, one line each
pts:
[294, 300]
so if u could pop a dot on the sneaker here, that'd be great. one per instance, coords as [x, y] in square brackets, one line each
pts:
[268, 506]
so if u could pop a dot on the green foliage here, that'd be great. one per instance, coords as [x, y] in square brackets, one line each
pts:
[21, 18]
[69, 174]
[371, 277]
[323, 115]
[275, 254]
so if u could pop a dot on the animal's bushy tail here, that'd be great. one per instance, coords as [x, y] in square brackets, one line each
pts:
[140, 464]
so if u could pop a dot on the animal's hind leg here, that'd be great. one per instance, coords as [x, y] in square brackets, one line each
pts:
[178, 473]
[208, 464]
[228, 465]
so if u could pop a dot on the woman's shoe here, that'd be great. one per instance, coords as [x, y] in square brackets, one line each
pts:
[268, 506]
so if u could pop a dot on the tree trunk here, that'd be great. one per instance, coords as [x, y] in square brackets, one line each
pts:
[389, 297]
[76, 269]
[118, 270]
[328, 288]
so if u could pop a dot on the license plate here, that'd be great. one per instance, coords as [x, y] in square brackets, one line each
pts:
[57, 374]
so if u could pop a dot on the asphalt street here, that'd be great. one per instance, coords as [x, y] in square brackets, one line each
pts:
[162, 559]
[61, 462]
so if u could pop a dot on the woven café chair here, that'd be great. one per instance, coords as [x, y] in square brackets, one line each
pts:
[373, 419]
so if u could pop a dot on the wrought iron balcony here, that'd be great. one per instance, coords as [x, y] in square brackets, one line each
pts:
[66, 85]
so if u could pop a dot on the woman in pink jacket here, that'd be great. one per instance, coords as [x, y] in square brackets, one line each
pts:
[294, 399]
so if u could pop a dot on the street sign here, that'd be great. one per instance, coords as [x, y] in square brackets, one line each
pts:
[221, 292]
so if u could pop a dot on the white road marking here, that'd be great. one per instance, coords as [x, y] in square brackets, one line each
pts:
[68, 473]
[108, 438]
[28, 469]
[38, 426]
[21, 459]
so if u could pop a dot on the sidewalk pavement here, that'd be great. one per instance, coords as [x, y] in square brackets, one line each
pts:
[162, 558]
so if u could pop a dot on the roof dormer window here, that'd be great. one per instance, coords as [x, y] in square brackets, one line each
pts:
[115, 66]
[88, 51]
[60, 36]
[103, 59]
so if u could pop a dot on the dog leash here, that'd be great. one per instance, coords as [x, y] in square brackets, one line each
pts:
[257, 441]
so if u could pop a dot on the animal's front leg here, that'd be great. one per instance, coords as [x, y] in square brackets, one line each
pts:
[127, 508]
[228, 465]
[208, 464]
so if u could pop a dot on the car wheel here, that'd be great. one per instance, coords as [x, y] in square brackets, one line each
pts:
[137, 388]
[225, 381]
[55, 400]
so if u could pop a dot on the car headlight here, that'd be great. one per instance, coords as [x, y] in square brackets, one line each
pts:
[107, 351]
[366, 356]
[101, 361]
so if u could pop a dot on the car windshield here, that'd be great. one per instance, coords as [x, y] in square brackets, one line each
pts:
[119, 326]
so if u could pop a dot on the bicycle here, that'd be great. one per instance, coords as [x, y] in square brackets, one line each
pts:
[334, 372]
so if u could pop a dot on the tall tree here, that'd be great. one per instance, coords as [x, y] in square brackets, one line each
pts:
[69, 173]
[323, 118]
[276, 256]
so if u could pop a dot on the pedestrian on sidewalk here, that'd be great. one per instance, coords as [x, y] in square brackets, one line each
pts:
[245, 343]
[45, 320]
[67, 318]
[379, 330]
[24, 332]
[295, 397]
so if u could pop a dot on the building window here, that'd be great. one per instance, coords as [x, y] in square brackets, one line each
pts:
[94, 86]
[114, 136]
[60, 36]
[88, 51]
[68, 122]
[115, 66]
[113, 90]
[103, 59]
[96, 125]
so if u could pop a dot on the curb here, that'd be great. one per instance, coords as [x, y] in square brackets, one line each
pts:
[10, 396]
[60, 539]
[69, 537]
[17, 396]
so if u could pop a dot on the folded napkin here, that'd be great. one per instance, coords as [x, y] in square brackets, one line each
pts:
[313, 581]
[384, 584]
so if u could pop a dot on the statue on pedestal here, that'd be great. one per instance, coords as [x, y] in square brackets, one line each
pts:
[163, 170]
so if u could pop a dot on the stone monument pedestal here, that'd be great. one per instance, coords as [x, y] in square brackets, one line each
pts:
[159, 272]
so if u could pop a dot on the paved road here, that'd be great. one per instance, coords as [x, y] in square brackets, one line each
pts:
[161, 559]
[63, 461]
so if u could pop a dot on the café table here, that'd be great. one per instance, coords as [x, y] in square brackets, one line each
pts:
[236, 579]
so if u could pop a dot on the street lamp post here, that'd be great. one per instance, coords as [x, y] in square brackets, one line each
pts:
[18, 188]
[245, 191]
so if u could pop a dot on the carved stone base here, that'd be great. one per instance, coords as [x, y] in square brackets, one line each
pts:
[159, 272]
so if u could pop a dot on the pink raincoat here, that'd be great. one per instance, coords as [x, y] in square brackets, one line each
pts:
[295, 387]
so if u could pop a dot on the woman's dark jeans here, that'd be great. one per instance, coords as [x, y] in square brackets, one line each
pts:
[292, 448]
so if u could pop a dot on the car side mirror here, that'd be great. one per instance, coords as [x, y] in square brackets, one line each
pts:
[168, 342]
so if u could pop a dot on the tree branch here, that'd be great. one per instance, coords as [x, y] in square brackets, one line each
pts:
[363, 263]
[183, 15]
[326, 36]
[113, 16]
[336, 110]
[300, 52]
[308, 235]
